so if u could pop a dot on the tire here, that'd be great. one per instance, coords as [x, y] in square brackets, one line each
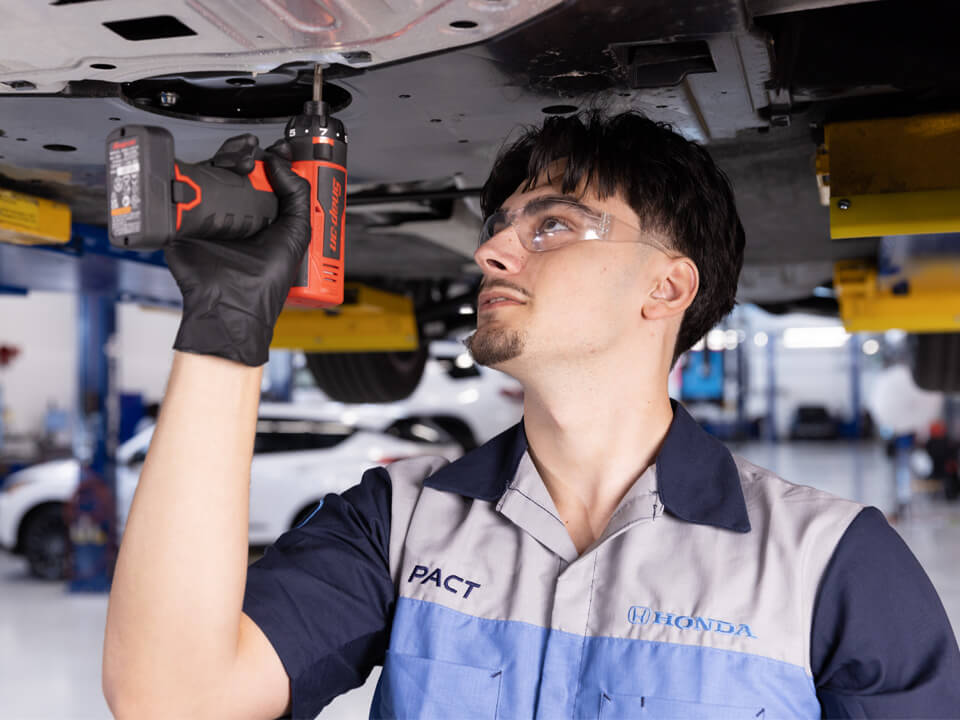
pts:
[935, 361]
[45, 542]
[379, 377]
[458, 430]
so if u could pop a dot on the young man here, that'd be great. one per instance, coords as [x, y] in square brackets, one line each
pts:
[605, 558]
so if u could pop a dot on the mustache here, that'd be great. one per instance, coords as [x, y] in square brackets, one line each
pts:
[502, 283]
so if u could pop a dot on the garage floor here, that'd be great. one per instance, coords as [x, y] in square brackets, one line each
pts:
[51, 640]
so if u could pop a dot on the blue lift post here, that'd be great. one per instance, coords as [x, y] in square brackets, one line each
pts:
[902, 474]
[743, 387]
[770, 430]
[856, 423]
[856, 401]
[92, 512]
[98, 275]
[280, 372]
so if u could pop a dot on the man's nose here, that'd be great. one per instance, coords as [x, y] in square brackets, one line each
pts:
[502, 254]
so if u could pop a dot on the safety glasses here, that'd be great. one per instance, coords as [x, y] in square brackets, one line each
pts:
[553, 222]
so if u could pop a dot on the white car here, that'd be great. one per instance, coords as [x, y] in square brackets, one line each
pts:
[471, 402]
[298, 458]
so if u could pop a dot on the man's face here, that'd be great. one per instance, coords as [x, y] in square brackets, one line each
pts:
[565, 305]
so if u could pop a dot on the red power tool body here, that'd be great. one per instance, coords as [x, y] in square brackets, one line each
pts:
[154, 198]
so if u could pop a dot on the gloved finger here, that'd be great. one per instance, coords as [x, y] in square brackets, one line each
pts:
[282, 148]
[293, 195]
[292, 191]
[238, 154]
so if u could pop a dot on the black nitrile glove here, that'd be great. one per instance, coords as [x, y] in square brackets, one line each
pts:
[234, 290]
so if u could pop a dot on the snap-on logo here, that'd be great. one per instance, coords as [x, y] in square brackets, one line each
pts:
[333, 238]
[451, 583]
[642, 615]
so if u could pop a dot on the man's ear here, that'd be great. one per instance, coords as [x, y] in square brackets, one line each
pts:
[674, 291]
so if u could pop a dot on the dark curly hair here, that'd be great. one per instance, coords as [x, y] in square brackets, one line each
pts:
[670, 182]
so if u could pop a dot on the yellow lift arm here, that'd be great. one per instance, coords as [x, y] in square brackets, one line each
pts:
[931, 302]
[369, 320]
[26, 220]
[894, 176]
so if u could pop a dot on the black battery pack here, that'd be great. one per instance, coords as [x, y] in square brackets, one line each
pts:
[140, 162]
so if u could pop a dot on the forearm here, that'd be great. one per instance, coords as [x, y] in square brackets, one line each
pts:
[174, 613]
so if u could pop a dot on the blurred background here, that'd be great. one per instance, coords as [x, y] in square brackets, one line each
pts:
[793, 392]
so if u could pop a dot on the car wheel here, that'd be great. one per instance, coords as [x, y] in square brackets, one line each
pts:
[378, 377]
[45, 542]
[458, 430]
[935, 361]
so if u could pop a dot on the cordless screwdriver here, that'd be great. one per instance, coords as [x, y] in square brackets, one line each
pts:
[153, 198]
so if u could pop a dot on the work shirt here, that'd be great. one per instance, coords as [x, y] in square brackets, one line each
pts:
[717, 590]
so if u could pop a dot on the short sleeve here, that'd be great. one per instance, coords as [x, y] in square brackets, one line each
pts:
[323, 594]
[881, 643]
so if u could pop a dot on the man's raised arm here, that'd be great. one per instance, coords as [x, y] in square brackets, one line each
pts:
[177, 643]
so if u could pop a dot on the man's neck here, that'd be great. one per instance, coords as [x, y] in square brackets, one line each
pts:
[591, 438]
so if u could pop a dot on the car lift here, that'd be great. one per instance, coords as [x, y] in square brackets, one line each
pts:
[896, 177]
[41, 250]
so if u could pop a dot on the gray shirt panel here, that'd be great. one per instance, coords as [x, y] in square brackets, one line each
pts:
[702, 585]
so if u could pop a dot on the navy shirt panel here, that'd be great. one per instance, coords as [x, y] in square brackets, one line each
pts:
[881, 643]
[324, 597]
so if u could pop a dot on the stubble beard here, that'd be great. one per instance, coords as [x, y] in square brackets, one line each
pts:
[492, 346]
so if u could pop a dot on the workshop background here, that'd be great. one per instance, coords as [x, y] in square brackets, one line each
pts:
[792, 393]
[837, 121]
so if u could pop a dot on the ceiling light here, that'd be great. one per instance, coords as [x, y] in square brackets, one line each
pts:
[808, 338]
[715, 340]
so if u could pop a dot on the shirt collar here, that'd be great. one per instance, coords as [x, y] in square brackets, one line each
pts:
[484, 473]
[697, 478]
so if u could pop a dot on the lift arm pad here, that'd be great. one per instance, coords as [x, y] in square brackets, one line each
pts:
[26, 220]
[892, 176]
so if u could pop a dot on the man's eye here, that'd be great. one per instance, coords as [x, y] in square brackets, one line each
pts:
[554, 225]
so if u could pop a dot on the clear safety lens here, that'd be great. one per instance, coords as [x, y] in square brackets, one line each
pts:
[548, 223]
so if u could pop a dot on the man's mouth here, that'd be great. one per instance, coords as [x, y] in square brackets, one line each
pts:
[490, 300]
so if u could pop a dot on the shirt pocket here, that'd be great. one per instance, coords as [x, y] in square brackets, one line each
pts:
[416, 688]
[627, 707]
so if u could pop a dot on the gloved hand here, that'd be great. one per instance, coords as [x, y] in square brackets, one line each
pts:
[234, 290]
